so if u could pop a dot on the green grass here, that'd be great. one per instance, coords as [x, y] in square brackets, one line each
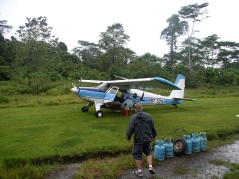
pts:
[51, 134]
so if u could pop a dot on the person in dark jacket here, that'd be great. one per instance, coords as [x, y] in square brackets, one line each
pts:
[142, 126]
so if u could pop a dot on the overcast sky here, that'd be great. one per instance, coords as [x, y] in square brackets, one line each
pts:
[143, 20]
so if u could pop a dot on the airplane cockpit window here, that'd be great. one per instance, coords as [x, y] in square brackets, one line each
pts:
[113, 90]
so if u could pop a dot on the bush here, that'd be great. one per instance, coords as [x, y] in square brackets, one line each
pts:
[3, 99]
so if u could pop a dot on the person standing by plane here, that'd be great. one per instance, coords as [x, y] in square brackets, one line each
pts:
[127, 103]
[142, 126]
[126, 95]
[127, 106]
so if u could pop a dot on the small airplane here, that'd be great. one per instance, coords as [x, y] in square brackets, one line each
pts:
[105, 94]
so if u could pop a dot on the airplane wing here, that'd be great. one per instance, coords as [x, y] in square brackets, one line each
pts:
[155, 82]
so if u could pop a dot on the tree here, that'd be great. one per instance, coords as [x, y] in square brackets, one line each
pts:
[175, 29]
[210, 47]
[5, 48]
[197, 54]
[36, 56]
[35, 29]
[228, 52]
[112, 40]
[62, 46]
[192, 13]
[4, 28]
[88, 53]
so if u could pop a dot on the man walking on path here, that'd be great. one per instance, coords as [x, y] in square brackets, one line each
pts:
[142, 126]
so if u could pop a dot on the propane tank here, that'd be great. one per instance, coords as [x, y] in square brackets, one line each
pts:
[159, 150]
[203, 141]
[168, 148]
[189, 144]
[195, 143]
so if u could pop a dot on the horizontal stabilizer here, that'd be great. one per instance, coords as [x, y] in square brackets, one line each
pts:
[189, 99]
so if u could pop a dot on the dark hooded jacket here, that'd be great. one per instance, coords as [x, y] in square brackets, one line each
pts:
[142, 126]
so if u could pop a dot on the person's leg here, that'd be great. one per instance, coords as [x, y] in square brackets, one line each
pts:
[139, 164]
[129, 111]
[149, 159]
[137, 155]
[148, 152]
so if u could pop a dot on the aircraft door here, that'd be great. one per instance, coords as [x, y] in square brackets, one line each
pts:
[111, 94]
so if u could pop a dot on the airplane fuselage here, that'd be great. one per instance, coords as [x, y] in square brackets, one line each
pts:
[145, 98]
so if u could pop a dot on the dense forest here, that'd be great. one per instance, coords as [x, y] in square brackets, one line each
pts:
[34, 61]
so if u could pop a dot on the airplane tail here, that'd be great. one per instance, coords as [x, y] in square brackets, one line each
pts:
[180, 82]
[179, 94]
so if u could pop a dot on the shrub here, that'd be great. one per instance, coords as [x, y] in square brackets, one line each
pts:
[3, 99]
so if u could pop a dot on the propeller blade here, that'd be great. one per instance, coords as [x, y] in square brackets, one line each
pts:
[73, 85]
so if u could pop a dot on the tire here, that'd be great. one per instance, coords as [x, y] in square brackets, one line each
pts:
[84, 109]
[179, 146]
[99, 114]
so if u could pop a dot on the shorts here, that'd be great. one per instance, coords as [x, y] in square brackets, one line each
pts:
[139, 149]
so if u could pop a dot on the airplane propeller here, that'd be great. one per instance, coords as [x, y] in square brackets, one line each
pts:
[76, 89]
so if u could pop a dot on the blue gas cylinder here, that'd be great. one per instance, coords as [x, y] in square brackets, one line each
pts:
[159, 150]
[203, 141]
[195, 142]
[189, 144]
[168, 148]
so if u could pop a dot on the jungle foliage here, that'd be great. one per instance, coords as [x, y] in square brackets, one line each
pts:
[34, 61]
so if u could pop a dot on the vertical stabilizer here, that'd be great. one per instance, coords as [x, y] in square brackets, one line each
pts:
[180, 82]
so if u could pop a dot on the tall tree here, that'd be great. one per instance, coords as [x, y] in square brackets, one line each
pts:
[113, 39]
[197, 54]
[35, 54]
[175, 29]
[228, 53]
[210, 47]
[88, 53]
[4, 28]
[192, 13]
[5, 51]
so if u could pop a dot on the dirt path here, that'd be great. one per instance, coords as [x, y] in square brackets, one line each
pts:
[195, 165]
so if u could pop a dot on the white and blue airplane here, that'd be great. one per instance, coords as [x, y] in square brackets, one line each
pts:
[105, 94]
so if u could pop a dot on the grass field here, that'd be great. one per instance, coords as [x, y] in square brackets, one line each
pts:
[38, 130]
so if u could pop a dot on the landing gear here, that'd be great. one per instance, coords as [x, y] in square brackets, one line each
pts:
[84, 109]
[175, 105]
[99, 114]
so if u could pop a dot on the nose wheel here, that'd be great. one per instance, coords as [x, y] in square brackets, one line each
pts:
[175, 105]
[84, 109]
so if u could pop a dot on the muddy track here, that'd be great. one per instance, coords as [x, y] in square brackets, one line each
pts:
[193, 166]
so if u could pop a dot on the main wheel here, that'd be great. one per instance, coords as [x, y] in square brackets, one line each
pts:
[99, 114]
[179, 146]
[84, 109]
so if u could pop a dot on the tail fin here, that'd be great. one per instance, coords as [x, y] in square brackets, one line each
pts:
[179, 94]
[180, 82]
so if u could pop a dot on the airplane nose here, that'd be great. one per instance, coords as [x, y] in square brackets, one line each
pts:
[75, 90]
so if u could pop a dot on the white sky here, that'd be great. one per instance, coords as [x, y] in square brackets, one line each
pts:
[143, 20]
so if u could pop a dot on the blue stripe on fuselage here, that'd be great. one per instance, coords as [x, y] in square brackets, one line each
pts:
[95, 93]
